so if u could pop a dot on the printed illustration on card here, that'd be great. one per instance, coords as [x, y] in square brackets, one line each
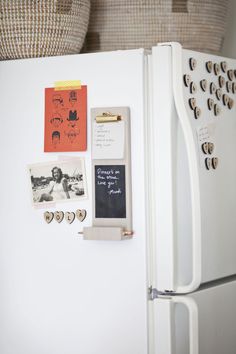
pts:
[65, 119]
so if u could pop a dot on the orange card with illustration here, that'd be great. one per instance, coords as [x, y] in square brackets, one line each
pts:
[65, 127]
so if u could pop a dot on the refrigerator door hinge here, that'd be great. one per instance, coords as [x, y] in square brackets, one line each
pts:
[153, 293]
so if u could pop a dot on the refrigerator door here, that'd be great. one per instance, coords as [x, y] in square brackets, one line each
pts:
[203, 322]
[59, 293]
[192, 141]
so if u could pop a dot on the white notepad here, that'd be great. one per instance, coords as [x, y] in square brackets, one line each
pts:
[108, 140]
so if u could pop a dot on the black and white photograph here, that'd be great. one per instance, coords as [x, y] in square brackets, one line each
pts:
[58, 181]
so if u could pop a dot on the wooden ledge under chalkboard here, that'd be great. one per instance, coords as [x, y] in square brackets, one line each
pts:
[106, 233]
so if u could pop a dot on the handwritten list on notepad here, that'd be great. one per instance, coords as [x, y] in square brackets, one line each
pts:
[108, 140]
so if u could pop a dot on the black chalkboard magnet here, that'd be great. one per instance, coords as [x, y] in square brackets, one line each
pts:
[110, 192]
[106, 234]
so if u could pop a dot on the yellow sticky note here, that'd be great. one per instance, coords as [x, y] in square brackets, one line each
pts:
[67, 85]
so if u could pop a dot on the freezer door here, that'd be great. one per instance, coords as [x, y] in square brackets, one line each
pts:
[201, 323]
[192, 141]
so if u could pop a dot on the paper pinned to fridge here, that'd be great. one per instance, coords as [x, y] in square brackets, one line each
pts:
[108, 140]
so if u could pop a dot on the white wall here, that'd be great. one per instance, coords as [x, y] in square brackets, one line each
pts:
[229, 47]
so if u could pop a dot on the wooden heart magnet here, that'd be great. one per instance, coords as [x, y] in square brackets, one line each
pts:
[58, 216]
[81, 214]
[48, 216]
[69, 217]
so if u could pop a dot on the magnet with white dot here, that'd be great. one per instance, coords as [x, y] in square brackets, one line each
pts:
[218, 94]
[225, 99]
[212, 88]
[210, 148]
[203, 84]
[230, 74]
[209, 66]
[205, 148]
[192, 103]
[221, 81]
[197, 112]
[192, 63]
[208, 163]
[193, 88]
[229, 86]
[216, 68]
[230, 103]
[223, 66]
[187, 80]
[216, 110]
[210, 103]
[215, 162]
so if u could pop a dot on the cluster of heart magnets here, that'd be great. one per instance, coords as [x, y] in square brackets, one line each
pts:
[68, 216]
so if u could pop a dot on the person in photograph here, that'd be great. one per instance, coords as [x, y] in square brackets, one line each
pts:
[57, 189]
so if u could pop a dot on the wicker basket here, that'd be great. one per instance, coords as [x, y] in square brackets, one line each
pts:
[124, 24]
[38, 28]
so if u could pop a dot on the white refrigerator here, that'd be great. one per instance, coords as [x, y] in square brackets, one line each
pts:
[168, 289]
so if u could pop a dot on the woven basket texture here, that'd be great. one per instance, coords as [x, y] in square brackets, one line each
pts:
[38, 28]
[124, 24]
